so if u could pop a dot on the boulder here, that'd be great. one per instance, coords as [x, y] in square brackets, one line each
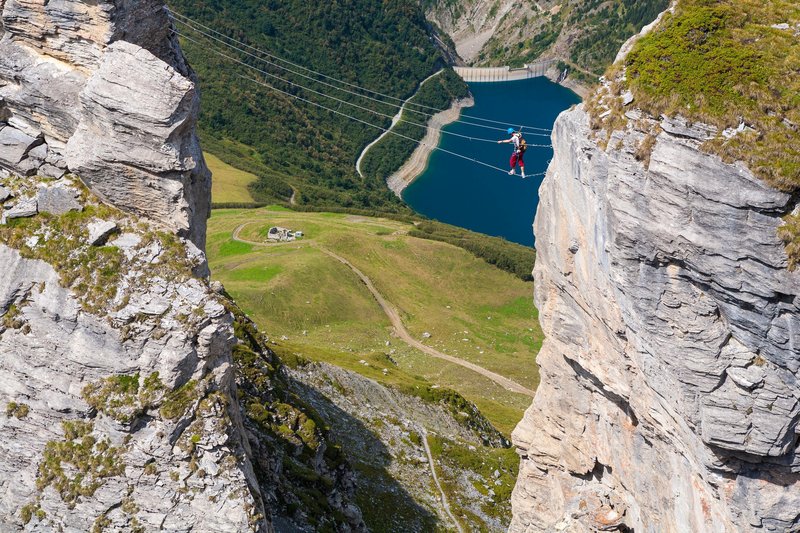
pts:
[680, 127]
[58, 199]
[100, 230]
[23, 209]
[28, 167]
[39, 152]
[627, 98]
[14, 145]
[5, 194]
[50, 171]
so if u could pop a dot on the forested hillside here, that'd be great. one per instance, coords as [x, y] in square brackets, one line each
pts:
[292, 145]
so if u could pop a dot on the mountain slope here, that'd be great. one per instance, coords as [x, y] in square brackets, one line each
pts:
[290, 144]
[584, 35]
[386, 396]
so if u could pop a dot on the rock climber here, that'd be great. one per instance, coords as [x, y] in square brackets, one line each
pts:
[519, 151]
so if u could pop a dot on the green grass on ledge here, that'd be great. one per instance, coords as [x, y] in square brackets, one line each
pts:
[723, 62]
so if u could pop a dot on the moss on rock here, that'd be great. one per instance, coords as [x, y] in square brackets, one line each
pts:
[17, 410]
[79, 464]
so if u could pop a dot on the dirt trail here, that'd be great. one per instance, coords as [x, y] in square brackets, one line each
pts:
[395, 120]
[397, 323]
[402, 332]
[445, 503]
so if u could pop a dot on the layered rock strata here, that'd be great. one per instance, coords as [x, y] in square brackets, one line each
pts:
[102, 90]
[116, 378]
[669, 398]
[133, 397]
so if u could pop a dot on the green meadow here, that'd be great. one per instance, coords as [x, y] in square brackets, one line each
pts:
[314, 307]
[228, 184]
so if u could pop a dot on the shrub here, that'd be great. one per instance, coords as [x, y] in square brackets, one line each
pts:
[17, 410]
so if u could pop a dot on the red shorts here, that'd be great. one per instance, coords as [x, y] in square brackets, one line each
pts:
[516, 157]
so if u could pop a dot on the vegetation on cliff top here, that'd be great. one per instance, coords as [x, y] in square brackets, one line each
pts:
[727, 63]
[734, 64]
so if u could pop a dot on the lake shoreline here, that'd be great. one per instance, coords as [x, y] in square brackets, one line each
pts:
[417, 163]
[395, 120]
[475, 191]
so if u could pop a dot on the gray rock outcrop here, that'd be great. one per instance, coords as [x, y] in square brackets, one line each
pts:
[22, 209]
[99, 231]
[57, 199]
[669, 398]
[148, 459]
[102, 90]
[119, 364]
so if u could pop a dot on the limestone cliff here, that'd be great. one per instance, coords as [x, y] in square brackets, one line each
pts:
[135, 397]
[669, 392]
[102, 90]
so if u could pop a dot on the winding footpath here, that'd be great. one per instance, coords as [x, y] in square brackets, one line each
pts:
[395, 120]
[431, 464]
[445, 503]
[397, 323]
[402, 332]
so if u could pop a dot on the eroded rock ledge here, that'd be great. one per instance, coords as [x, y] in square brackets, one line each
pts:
[102, 90]
[134, 396]
[669, 393]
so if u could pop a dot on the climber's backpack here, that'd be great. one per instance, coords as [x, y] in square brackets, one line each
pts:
[523, 144]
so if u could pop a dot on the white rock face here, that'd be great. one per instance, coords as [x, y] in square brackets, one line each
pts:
[101, 89]
[105, 79]
[135, 143]
[53, 349]
[669, 392]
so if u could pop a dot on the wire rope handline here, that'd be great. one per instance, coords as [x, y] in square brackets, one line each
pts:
[192, 24]
[399, 120]
[389, 130]
[405, 103]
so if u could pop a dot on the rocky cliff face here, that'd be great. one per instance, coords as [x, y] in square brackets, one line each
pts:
[469, 24]
[101, 90]
[119, 365]
[669, 392]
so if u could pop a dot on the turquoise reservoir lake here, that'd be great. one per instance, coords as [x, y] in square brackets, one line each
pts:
[466, 194]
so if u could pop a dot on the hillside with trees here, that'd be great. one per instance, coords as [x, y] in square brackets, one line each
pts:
[293, 146]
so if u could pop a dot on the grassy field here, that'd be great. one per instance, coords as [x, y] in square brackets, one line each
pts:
[228, 184]
[314, 306]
